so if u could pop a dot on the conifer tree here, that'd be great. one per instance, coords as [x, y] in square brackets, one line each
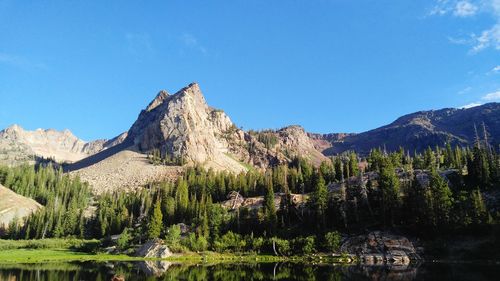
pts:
[270, 208]
[182, 197]
[353, 165]
[320, 198]
[155, 224]
[389, 185]
[442, 199]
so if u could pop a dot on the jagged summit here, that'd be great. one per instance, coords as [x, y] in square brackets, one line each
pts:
[159, 99]
[184, 126]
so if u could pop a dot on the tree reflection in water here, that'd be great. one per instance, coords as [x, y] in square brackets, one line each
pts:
[162, 270]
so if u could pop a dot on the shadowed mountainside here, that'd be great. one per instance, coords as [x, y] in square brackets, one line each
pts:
[419, 130]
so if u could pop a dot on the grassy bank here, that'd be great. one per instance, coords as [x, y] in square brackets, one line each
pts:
[56, 255]
[45, 250]
[65, 250]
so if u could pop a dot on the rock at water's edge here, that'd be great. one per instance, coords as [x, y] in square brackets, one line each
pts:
[154, 249]
[381, 248]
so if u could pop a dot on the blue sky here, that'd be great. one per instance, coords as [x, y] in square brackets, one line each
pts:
[329, 65]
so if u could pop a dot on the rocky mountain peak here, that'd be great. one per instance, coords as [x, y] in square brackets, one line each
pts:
[294, 129]
[159, 99]
[184, 126]
[192, 91]
[13, 129]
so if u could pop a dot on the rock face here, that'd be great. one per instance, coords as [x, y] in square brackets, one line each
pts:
[419, 130]
[18, 145]
[13, 205]
[297, 142]
[381, 248]
[236, 201]
[184, 126]
[154, 249]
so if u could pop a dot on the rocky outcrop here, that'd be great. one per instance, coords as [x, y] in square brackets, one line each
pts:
[296, 142]
[184, 126]
[236, 201]
[14, 206]
[381, 248]
[154, 249]
[18, 145]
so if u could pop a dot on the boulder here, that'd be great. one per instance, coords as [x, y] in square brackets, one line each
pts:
[154, 249]
[118, 278]
[381, 248]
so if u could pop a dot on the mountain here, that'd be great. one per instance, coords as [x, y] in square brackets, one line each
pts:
[19, 145]
[183, 128]
[13, 205]
[419, 130]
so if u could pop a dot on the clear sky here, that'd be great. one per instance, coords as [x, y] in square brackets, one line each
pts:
[329, 65]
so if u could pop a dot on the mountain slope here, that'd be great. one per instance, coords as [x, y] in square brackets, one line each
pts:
[13, 205]
[419, 130]
[179, 126]
[183, 128]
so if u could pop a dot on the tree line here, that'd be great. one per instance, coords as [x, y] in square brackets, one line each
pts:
[435, 192]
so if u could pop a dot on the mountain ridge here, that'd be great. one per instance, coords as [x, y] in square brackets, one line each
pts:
[419, 130]
[183, 129]
[20, 145]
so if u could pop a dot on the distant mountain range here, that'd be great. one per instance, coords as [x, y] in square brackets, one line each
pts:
[183, 126]
[417, 131]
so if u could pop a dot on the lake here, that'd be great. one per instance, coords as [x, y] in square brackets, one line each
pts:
[160, 270]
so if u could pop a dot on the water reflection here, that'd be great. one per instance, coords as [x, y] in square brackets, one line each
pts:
[162, 270]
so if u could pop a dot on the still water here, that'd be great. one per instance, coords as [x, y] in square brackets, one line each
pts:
[155, 270]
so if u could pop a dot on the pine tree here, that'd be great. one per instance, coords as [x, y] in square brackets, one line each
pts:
[389, 185]
[320, 199]
[182, 197]
[442, 199]
[478, 167]
[155, 224]
[353, 165]
[478, 208]
[339, 171]
[429, 159]
[270, 208]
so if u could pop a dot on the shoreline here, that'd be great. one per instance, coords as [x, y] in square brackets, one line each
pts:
[67, 255]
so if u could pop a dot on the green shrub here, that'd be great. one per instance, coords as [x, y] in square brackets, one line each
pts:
[52, 243]
[305, 245]
[230, 241]
[173, 236]
[282, 246]
[332, 241]
[124, 239]
[254, 244]
[195, 243]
